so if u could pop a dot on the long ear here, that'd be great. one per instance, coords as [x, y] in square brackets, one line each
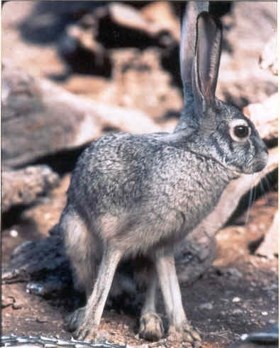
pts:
[187, 42]
[207, 59]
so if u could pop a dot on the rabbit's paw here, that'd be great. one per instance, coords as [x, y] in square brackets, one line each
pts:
[151, 327]
[86, 332]
[189, 337]
[75, 319]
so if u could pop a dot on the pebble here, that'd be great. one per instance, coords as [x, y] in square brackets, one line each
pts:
[235, 273]
[207, 306]
[237, 311]
[17, 306]
[7, 301]
[14, 233]
[40, 320]
[236, 299]
[264, 313]
[271, 287]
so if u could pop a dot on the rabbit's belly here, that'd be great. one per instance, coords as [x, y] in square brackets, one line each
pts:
[160, 226]
[173, 212]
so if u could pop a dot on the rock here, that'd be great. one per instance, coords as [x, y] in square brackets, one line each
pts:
[267, 337]
[237, 311]
[140, 82]
[39, 261]
[247, 28]
[162, 14]
[236, 300]
[7, 301]
[195, 254]
[82, 52]
[269, 247]
[40, 119]
[23, 187]
[121, 43]
[47, 20]
[265, 117]
[235, 273]
[121, 25]
[208, 306]
[268, 57]
[85, 45]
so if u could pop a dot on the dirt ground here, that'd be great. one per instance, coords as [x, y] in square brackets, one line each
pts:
[238, 295]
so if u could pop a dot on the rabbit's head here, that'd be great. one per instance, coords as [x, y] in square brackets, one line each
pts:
[217, 129]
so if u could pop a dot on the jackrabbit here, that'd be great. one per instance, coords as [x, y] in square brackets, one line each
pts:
[134, 195]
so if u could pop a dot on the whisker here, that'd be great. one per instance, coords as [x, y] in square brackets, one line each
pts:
[250, 200]
[264, 191]
[267, 182]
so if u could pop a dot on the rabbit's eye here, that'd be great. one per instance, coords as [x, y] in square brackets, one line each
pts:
[241, 131]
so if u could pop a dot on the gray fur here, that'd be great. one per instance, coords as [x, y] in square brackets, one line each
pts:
[136, 195]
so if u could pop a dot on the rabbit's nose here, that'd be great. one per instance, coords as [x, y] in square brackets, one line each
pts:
[260, 161]
[264, 148]
[259, 166]
[261, 149]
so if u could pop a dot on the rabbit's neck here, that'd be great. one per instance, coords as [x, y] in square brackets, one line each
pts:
[186, 140]
[209, 155]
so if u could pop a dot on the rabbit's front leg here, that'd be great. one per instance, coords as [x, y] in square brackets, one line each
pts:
[151, 327]
[178, 323]
[91, 317]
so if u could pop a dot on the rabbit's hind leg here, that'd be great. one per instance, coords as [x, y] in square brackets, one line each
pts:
[151, 327]
[82, 250]
[179, 327]
[96, 301]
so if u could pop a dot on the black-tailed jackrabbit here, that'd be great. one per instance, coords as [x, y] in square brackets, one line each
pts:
[136, 195]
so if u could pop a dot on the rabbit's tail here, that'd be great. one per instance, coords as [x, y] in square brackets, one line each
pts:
[187, 44]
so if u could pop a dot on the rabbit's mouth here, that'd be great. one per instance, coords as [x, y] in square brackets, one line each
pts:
[257, 165]
[254, 166]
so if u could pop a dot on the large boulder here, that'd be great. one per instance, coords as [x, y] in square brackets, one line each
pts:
[25, 186]
[40, 118]
[247, 28]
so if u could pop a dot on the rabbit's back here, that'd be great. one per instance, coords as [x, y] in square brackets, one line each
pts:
[109, 174]
[148, 190]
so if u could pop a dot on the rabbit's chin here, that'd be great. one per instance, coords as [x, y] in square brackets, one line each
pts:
[255, 167]
[258, 166]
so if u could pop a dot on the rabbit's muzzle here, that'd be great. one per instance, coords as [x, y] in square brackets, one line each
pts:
[259, 155]
[258, 163]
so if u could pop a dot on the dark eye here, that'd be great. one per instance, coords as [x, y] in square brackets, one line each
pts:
[241, 131]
